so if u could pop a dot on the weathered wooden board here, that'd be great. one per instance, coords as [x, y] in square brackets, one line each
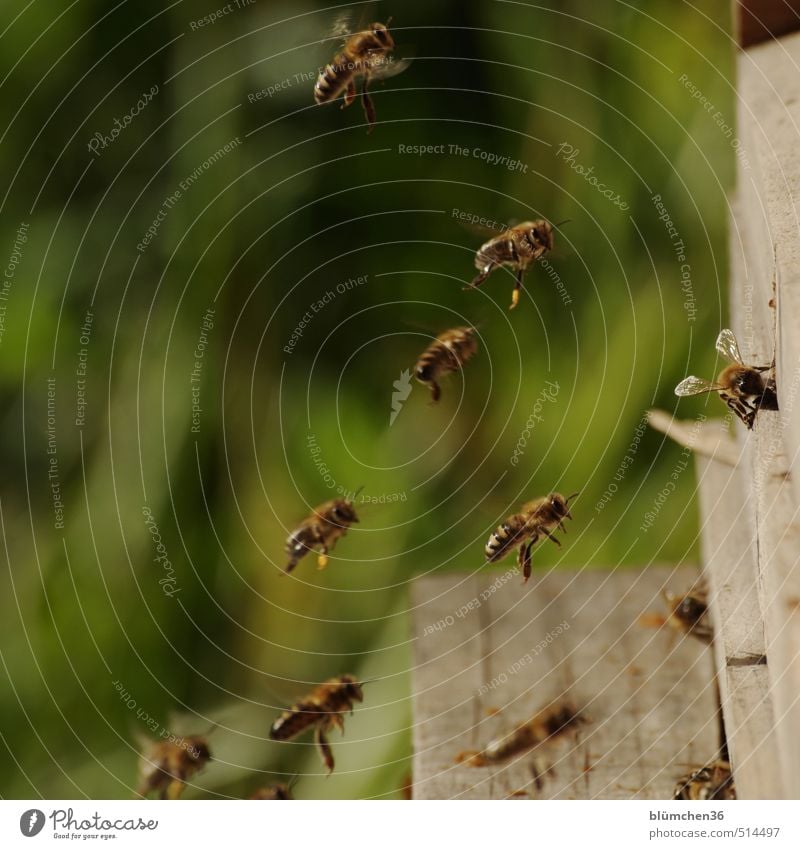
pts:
[729, 563]
[766, 307]
[484, 643]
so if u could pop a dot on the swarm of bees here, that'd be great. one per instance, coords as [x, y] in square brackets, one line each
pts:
[536, 520]
[544, 727]
[322, 709]
[742, 387]
[170, 764]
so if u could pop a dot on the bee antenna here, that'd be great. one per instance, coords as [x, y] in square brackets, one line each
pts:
[565, 221]
[213, 727]
[388, 21]
[355, 494]
[574, 495]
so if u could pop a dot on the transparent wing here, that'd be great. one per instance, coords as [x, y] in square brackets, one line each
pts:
[388, 66]
[729, 347]
[343, 25]
[695, 386]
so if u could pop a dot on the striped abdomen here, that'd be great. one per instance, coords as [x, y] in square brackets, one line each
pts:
[334, 78]
[293, 722]
[448, 352]
[496, 251]
[506, 538]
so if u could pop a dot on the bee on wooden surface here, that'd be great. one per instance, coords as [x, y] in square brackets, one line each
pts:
[274, 792]
[740, 386]
[550, 723]
[711, 782]
[523, 530]
[447, 353]
[517, 247]
[322, 710]
[170, 764]
[320, 531]
[365, 54]
[689, 612]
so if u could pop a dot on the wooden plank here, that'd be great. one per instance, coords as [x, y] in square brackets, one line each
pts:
[766, 306]
[729, 558]
[651, 703]
[760, 20]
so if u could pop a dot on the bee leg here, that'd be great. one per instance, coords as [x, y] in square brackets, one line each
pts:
[369, 106]
[524, 561]
[550, 536]
[337, 721]
[350, 94]
[325, 751]
[322, 558]
[481, 278]
[517, 289]
[436, 391]
[173, 790]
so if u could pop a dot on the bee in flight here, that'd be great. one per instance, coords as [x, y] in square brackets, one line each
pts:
[517, 247]
[740, 386]
[447, 353]
[548, 724]
[322, 709]
[365, 54]
[170, 764]
[523, 530]
[713, 782]
[320, 531]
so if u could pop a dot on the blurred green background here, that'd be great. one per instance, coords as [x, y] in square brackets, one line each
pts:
[302, 202]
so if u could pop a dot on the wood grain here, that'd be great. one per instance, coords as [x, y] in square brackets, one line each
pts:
[650, 699]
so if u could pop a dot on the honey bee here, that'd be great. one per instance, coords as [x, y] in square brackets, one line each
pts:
[548, 724]
[274, 792]
[689, 612]
[320, 531]
[523, 530]
[322, 709]
[517, 247]
[447, 353]
[365, 54]
[711, 782]
[170, 764]
[740, 386]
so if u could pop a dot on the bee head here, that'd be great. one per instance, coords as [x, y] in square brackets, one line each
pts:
[198, 749]
[381, 33]
[541, 233]
[353, 688]
[343, 512]
[560, 505]
[424, 373]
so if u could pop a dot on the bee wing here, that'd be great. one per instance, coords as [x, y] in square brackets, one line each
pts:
[343, 25]
[728, 346]
[695, 386]
[388, 66]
